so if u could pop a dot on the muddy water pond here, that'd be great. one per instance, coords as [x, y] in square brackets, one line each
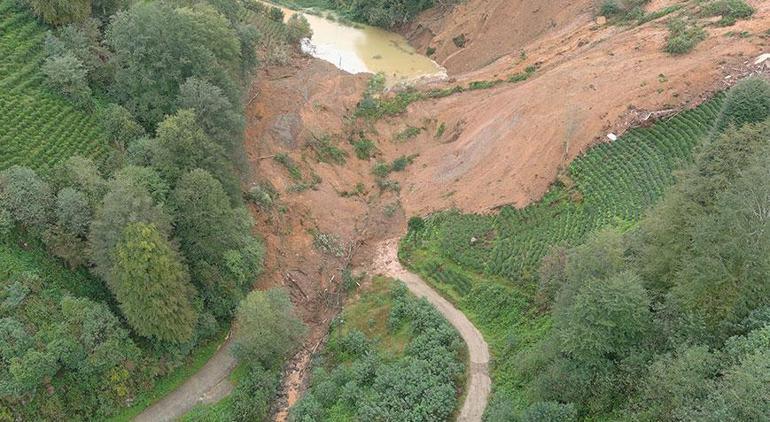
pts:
[367, 49]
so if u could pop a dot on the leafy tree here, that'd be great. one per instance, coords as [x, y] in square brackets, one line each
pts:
[25, 196]
[268, 329]
[120, 126]
[549, 412]
[181, 145]
[216, 240]
[608, 319]
[67, 237]
[60, 12]
[674, 383]
[253, 395]
[151, 285]
[66, 75]
[73, 212]
[104, 9]
[125, 203]
[14, 339]
[214, 112]
[146, 178]
[149, 69]
[81, 174]
[742, 392]
[32, 369]
[298, 27]
[723, 274]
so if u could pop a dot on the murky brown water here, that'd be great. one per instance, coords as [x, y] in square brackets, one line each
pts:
[367, 49]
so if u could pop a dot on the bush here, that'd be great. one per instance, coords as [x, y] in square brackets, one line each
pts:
[747, 102]
[729, 10]
[550, 412]
[364, 148]
[683, 37]
[298, 28]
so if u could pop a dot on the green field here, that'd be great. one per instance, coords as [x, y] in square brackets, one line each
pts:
[37, 128]
[487, 264]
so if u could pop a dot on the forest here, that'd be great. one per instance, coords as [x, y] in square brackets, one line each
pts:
[119, 265]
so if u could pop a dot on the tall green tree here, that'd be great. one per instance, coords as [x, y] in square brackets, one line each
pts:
[26, 197]
[126, 202]
[181, 145]
[268, 329]
[151, 285]
[216, 239]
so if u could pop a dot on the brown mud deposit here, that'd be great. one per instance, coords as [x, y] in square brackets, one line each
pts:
[503, 145]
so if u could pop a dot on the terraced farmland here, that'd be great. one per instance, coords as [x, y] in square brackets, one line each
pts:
[37, 128]
[611, 183]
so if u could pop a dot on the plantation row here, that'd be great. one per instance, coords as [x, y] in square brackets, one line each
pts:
[613, 183]
[37, 129]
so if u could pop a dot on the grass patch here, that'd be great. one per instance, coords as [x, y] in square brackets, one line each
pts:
[729, 10]
[409, 133]
[326, 152]
[287, 162]
[364, 148]
[683, 36]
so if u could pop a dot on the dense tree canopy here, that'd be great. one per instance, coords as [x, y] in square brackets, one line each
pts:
[156, 48]
[152, 286]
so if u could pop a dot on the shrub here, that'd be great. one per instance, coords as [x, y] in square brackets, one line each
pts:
[730, 10]
[747, 102]
[400, 163]
[364, 148]
[550, 411]
[268, 328]
[381, 169]
[408, 133]
[430, 51]
[298, 28]
[459, 41]
[289, 164]
[683, 37]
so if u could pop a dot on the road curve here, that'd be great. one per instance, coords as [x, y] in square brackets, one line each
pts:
[209, 385]
[479, 384]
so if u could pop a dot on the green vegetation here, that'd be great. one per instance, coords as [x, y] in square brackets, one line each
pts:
[389, 357]
[599, 304]
[286, 161]
[192, 364]
[326, 152]
[269, 332]
[364, 148]
[683, 36]
[623, 10]
[409, 133]
[37, 128]
[747, 102]
[125, 246]
[729, 10]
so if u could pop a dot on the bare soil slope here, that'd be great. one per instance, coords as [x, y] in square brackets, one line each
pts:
[503, 145]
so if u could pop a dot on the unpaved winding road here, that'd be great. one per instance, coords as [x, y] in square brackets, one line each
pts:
[209, 385]
[212, 383]
[479, 384]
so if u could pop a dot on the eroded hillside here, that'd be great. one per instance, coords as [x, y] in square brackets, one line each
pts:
[479, 149]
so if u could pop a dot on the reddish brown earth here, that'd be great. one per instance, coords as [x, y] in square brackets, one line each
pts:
[503, 145]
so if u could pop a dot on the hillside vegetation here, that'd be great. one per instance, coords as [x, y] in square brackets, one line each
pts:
[389, 356]
[125, 244]
[603, 301]
[37, 127]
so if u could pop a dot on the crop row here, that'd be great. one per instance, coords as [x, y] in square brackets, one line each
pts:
[37, 128]
[613, 182]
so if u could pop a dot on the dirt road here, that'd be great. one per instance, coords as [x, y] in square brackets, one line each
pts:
[479, 384]
[209, 385]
